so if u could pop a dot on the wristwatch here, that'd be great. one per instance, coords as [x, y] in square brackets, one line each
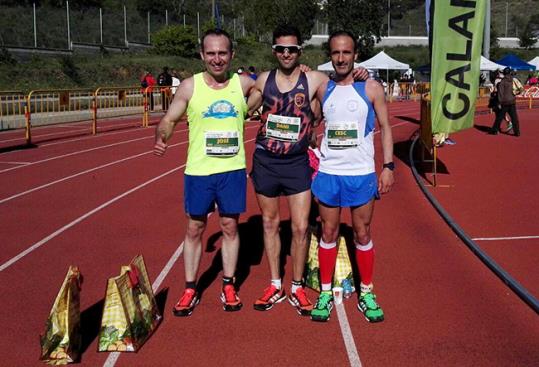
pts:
[390, 166]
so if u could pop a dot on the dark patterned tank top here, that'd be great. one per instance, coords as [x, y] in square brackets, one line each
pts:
[286, 117]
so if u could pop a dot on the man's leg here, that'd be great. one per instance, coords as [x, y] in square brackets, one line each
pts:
[192, 251]
[361, 221]
[327, 257]
[192, 246]
[514, 118]
[500, 114]
[269, 207]
[299, 206]
[229, 253]
[327, 251]
[231, 244]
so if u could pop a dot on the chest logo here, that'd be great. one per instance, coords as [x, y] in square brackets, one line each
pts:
[352, 105]
[220, 110]
[299, 99]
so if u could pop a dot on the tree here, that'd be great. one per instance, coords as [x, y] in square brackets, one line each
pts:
[263, 16]
[527, 37]
[360, 17]
[176, 40]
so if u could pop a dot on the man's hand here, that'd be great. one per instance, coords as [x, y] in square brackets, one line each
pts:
[304, 68]
[360, 74]
[386, 181]
[160, 147]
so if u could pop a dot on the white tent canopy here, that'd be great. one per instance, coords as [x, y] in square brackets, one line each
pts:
[328, 66]
[384, 61]
[487, 65]
[535, 61]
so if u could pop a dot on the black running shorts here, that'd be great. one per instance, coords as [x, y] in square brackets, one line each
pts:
[274, 175]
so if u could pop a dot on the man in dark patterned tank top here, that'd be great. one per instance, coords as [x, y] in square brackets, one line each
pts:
[281, 163]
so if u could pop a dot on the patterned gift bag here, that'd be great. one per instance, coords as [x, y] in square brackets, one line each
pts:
[343, 267]
[61, 342]
[130, 313]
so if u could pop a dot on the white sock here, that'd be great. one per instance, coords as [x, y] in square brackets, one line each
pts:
[326, 287]
[276, 283]
[365, 288]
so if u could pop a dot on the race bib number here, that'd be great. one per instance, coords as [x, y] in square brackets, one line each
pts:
[222, 143]
[284, 128]
[342, 135]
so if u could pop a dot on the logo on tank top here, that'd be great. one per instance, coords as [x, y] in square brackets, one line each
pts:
[221, 110]
[352, 105]
[299, 99]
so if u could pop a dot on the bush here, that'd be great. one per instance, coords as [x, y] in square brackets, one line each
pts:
[176, 41]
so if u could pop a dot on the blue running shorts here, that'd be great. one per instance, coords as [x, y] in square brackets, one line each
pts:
[227, 190]
[345, 191]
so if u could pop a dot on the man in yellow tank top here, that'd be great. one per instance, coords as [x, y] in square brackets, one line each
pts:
[214, 101]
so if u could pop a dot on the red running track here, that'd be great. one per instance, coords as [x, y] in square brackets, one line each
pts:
[97, 201]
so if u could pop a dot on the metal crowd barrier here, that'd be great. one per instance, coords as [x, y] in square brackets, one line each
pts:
[117, 101]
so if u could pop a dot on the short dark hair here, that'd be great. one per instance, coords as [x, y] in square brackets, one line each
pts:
[283, 30]
[339, 33]
[216, 32]
[507, 71]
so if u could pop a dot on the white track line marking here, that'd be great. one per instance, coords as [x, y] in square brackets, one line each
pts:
[504, 238]
[113, 357]
[16, 162]
[40, 243]
[75, 153]
[81, 173]
[353, 355]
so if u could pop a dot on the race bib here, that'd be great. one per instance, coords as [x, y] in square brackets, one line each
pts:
[342, 135]
[222, 143]
[284, 128]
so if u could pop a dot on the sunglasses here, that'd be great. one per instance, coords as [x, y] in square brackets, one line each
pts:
[292, 49]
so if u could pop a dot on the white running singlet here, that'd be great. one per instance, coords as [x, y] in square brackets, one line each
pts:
[347, 148]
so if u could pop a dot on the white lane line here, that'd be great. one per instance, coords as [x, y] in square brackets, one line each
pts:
[81, 173]
[504, 238]
[40, 243]
[75, 153]
[16, 162]
[84, 172]
[113, 357]
[353, 355]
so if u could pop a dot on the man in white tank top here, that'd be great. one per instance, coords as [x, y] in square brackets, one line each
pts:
[347, 176]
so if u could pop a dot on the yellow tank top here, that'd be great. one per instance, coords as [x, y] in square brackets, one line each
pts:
[216, 118]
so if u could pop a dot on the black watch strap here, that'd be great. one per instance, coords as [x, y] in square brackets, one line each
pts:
[390, 166]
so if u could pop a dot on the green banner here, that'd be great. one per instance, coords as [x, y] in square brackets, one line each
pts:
[456, 56]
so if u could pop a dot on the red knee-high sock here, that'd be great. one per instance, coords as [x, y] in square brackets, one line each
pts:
[365, 261]
[327, 257]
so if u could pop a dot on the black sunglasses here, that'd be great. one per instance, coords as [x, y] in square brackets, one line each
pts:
[292, 49]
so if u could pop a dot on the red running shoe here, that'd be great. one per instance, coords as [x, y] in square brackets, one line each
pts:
[187, 303]
[230, 299]
[271, 296]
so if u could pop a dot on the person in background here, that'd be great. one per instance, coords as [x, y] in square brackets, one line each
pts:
[175, 82]
[164, 80]
[147, 82]
[252, 72]
[507, 104]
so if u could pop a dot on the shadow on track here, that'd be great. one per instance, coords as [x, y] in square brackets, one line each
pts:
[250, 252]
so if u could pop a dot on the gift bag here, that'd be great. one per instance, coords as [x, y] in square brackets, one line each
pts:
[130, 313]
[343, 276]
[61, 342]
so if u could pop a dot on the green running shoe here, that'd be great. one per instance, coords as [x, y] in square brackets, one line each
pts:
[370, 308]
[323, 307]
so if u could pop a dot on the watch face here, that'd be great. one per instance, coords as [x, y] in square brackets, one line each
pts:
[389, 165]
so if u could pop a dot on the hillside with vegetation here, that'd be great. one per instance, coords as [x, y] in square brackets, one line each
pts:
[176, 46]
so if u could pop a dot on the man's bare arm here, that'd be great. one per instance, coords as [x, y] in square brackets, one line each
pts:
[254, 96]
[177, 108]
[376, 93]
